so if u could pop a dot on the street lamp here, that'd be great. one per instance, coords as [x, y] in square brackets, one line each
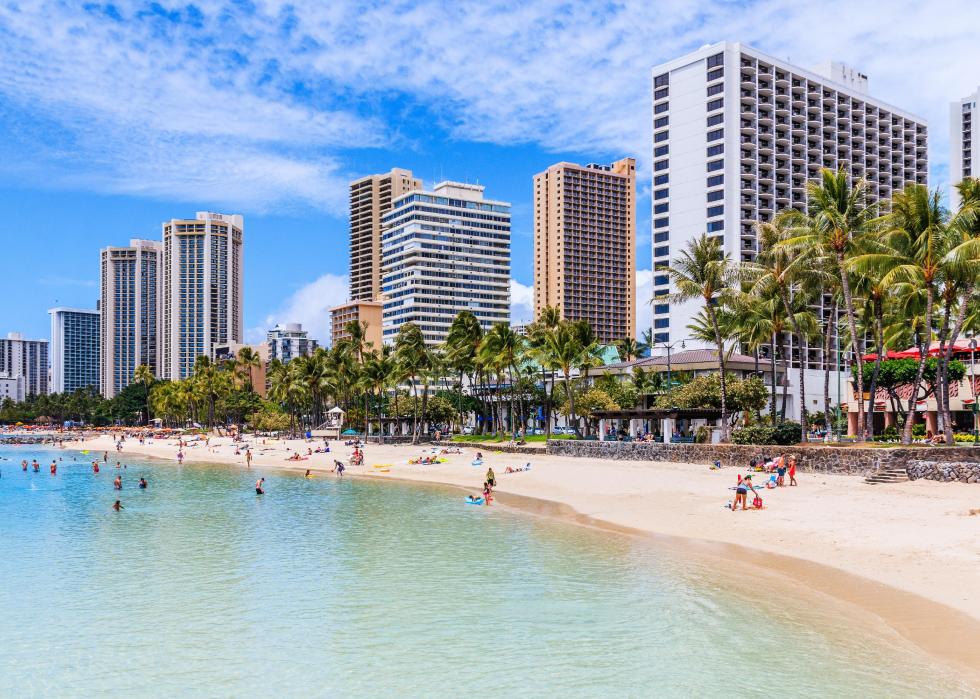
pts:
[670, 346]
[973, 385]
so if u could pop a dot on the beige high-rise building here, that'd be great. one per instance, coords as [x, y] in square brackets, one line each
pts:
[202, 289]
[370, 199]
[364, 311]
[585, 245]
[130, 320]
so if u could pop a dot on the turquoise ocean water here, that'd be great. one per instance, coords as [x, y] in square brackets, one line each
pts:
[199, 588]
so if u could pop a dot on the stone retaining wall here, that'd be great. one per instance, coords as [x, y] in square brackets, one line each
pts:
[491, 447]
[947, 472]
[814, 458]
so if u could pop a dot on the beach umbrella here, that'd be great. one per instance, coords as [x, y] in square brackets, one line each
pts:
[350, 432]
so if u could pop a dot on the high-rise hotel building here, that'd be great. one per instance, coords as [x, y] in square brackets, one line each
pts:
[202, 289]
[585, 245]
[442, 252]
[370, 200]
[963, 114]
[23, 367]
[131, 281]
[736, 136]
[74, 349]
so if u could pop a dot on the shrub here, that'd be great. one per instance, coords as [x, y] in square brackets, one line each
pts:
[963, 437]
[919, 430]
[786, 433]
[701, 435]
[889, 434]
[753, 434]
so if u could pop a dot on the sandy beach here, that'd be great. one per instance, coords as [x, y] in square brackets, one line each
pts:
[907, 552]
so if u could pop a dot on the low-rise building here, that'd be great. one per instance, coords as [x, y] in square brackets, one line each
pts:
[368, 312]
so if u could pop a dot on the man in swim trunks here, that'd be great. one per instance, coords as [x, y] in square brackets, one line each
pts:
[248, 458]
[117, 506]
[491, 479]
[143, 483]
[117, 484]
[259, 490]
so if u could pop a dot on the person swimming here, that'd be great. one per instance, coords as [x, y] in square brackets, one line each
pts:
[259, 490]
[143, 483]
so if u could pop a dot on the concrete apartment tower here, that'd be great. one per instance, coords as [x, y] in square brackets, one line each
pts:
[961, 120]
[362, 311]
[738, 134]
[75, 349]
[445, 251]
[202, 289]
[370, 199]
[288, 341]
[585, 245]
[132, 291]
[23, 367]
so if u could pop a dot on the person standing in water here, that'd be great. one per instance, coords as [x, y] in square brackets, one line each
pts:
[105, 457]
[24, 465]
[95, 467]
[259, 489]
[248, 458]
[143, 483]
[36, 466]
[117, 484]
[54, 468]
[117, 506]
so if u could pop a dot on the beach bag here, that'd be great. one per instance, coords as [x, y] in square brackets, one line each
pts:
[757, 502]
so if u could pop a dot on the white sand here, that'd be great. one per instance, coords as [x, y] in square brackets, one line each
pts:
[917, 537]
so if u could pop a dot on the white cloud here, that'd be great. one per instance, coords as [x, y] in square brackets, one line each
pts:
[521, 302]
[256, 103]
[309, 305]
[644, 293]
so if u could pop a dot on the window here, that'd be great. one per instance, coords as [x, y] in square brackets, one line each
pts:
[661, 93]
[661, 136]
[661, 80]
[716, 180]
[661, 108]
[716, 134]
[660, 150]
[716, 165]
[662, 308]
[715, 89]
[661, 280]
[661, 208]
[715, 119]
[661, 165]
[661, 337]
[661, 237]
[663, 251]
[716, 150]
[715, 104]
[716, 210]
[660, 193]
[660, 222]
[661, 323]
[716, 195]
[661, 122]
[715, 74]
[717, 60]
[715, 226]
[661, 179]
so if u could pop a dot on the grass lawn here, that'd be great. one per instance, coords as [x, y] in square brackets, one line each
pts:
[492, 439]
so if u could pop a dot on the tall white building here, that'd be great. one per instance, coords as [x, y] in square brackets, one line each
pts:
[442, 252]
[736, 136]
[202, 289]
[23, 367]
[962, 115]
[74, 349]
[131, 282]
[288, 341]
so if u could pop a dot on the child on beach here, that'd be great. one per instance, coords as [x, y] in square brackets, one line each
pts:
[792, 470]
[487, 493]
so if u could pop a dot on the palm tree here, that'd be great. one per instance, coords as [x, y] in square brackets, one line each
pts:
[790, 278]
[412, 355]
[205, 377]
[247, 360]
[837, 217]
[502, 348]
[628, 349]
[462, 341]
[144, 375]
[379, 368]
[563, 349]
[703, 271]
[916, 241]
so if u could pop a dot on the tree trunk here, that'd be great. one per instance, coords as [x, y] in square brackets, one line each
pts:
[879, 346]
[953, 335]
[721, 365]
[852, 325]
[772, 380]
[826, 371]
[923, 356]
[571, 402]
[799, 338]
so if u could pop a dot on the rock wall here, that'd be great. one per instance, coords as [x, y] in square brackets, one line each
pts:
[813, 458]
[944, 471]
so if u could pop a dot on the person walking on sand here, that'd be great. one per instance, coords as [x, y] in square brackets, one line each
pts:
[248, 458]
[792, 470]
[491, 479]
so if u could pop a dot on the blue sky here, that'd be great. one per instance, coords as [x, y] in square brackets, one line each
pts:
[114, 117]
